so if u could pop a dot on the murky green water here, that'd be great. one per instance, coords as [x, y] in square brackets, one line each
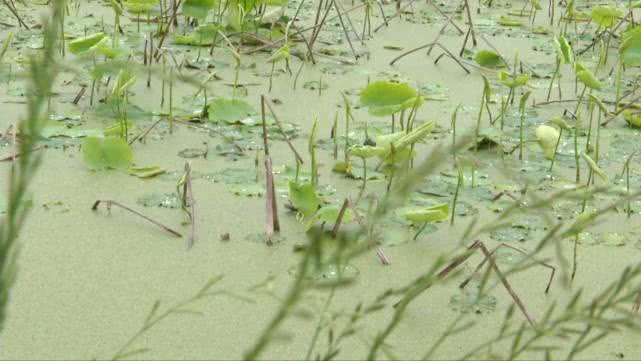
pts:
[88, 279]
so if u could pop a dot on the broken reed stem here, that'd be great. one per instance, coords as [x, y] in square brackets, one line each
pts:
[477, 245]
[493, 252]
[81, 92]
[339, 219]
[506, 284]
[142, 135]
[359, 219]
[272, 223]
[189, 199]
[396, 14]
[108, 203]
[282, 132]
[15, 13]
[166, 31]
[349, 41]
[430, 45]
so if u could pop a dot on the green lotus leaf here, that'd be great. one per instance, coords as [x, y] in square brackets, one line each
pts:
[438, 212]
[87, 44]
[198, 8]
[633, 118]
[111, 152]
[385, 97]
[513, 81]
[605, 15]
[630, 50]
[303, 197]
[229, 110]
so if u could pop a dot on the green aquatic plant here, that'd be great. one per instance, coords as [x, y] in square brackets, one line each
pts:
[460, 179]
[426, 215]
[281, 54]
[198, 9]
[92, 45]
[303, 197]
[120, 99]
[157, 316]
[629, 57]
[230, 111]
[605, 17]
[138, 7]
[485, 100]
[384, 97]
[563, 126]
[522, 106]
[595, 100]
[548, 138]
[564, 55]
[42, 72]
[364, 152]
[118, 11]
[111, 152]
[489, 59]
[345, 165]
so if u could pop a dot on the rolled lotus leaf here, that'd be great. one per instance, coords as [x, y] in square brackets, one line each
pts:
[547, 137]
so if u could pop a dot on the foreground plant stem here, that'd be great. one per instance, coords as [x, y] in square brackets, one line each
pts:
[42, 72]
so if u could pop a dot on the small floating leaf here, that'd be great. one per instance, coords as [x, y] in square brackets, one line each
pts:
[505, 21]
[146, 172]
[513, 81]
[86, 44]
[472, 301]
[438, 212]
[329, 214]
[489, 59]
[163, 200]
[303, 197]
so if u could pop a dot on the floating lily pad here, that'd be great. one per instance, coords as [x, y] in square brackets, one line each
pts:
[328, 272]
[232, 176]
[510, 234]
[111, 152]
[472, 301]
[315, 85]
[163, 200]
[229, 110]
[247, 189]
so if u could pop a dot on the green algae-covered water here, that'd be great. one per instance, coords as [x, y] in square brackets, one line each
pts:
[87, 280]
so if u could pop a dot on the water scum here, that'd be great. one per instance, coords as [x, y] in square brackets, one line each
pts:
[399, 180]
